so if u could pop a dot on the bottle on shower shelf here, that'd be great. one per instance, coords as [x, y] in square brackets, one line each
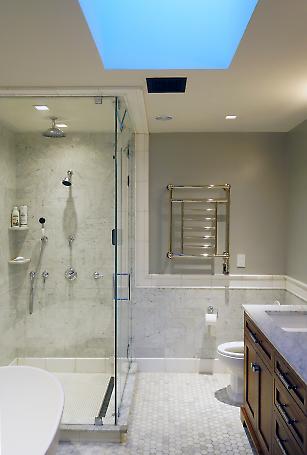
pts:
[23, 212]
[15, 217]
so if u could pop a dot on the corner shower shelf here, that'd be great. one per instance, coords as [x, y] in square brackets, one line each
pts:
[19, 228]
[24, 261]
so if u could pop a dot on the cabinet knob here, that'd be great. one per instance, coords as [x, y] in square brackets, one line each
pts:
[255, 367]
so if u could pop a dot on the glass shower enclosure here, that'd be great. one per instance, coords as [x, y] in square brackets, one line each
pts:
[66, 288]
[123, 266]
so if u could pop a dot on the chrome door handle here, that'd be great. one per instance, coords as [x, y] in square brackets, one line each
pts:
[253, 336]
[128, 298]
[280, 444]
[285, 381]
[97, 275]
[284, 415]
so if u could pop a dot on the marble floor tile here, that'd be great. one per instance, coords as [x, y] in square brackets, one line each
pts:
[176, 414]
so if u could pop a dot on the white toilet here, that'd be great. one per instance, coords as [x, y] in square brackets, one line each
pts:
[31, 404]
[232, 356]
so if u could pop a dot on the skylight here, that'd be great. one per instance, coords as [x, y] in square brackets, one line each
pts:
[167, 34]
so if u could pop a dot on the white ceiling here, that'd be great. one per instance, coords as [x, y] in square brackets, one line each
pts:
[80, 114]
[47, 43]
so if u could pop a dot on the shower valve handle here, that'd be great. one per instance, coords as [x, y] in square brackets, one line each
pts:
[97, 275]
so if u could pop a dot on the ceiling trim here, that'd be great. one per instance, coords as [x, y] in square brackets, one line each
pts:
[134, 98]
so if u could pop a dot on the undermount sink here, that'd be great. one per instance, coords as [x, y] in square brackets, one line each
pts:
[290, 321]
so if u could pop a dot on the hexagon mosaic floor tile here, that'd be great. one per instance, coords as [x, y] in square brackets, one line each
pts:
[177, 414]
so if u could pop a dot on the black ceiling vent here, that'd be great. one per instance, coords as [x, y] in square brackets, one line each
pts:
[166, 84]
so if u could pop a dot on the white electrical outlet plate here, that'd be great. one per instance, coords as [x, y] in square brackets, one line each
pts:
[241, 261]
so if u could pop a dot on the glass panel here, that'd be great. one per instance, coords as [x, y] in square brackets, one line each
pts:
[63, 318]
[123, 265]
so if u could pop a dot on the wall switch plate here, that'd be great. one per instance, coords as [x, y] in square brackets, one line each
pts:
[241, 261]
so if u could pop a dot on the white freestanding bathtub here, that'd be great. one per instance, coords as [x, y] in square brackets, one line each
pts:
[31, 407]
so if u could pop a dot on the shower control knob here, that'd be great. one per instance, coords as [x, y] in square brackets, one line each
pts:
[45, 275]
[71, 274]
[97, 275]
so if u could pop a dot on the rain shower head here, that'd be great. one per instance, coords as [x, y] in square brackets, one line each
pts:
[67, 180]
[54, 131]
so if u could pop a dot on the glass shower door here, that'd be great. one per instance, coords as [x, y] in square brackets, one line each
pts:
[122, 278]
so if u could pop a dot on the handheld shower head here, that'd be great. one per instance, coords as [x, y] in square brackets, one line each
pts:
[44, 238]
[67, 180]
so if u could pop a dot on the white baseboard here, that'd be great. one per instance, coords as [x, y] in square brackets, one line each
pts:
[232, 281]
[179, 365]
[210, 366]
[67, 365]
[296, 287]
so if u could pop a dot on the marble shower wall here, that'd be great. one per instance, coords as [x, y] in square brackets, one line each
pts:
[70, 318]
[7, 272]
[175, 319]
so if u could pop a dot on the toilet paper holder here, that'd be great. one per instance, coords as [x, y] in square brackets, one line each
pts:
[211, 310]
[211, 316]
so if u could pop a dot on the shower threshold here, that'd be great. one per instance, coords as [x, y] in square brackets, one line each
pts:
[89, 395]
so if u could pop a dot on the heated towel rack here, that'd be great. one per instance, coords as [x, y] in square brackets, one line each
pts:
[199, 222]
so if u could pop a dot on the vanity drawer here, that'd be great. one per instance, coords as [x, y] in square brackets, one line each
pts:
[262, 345]
[291, 414]
[283, 441]
[294, 385]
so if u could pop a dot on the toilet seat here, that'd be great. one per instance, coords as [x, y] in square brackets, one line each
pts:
[232, 349]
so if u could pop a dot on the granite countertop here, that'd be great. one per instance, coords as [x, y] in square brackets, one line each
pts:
[291, 345]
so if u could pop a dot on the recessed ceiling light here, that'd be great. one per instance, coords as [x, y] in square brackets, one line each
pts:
[41, 107]
[61, 125]
[164, 118]
[231, 117]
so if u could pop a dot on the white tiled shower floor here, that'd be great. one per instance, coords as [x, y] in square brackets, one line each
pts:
[84, 393]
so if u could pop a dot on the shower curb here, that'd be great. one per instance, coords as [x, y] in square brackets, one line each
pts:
[107, 432]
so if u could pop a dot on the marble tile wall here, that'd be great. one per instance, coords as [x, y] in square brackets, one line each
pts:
[171, 322]
[7, 272]
[70, 318]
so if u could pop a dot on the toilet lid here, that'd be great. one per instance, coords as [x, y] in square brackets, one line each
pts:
[232, 349]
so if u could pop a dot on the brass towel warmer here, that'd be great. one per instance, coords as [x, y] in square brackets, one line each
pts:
[200, 222]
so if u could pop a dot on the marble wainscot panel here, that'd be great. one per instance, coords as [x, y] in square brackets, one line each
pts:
[170, 323]
[291, 345]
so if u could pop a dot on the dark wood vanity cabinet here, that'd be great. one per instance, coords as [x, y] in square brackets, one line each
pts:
[275, 398]
[258, 397]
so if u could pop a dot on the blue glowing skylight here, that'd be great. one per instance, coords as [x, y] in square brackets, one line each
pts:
[167, 34]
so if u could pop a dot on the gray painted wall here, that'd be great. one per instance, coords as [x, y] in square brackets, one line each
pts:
[255, 164]
[297, 227]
